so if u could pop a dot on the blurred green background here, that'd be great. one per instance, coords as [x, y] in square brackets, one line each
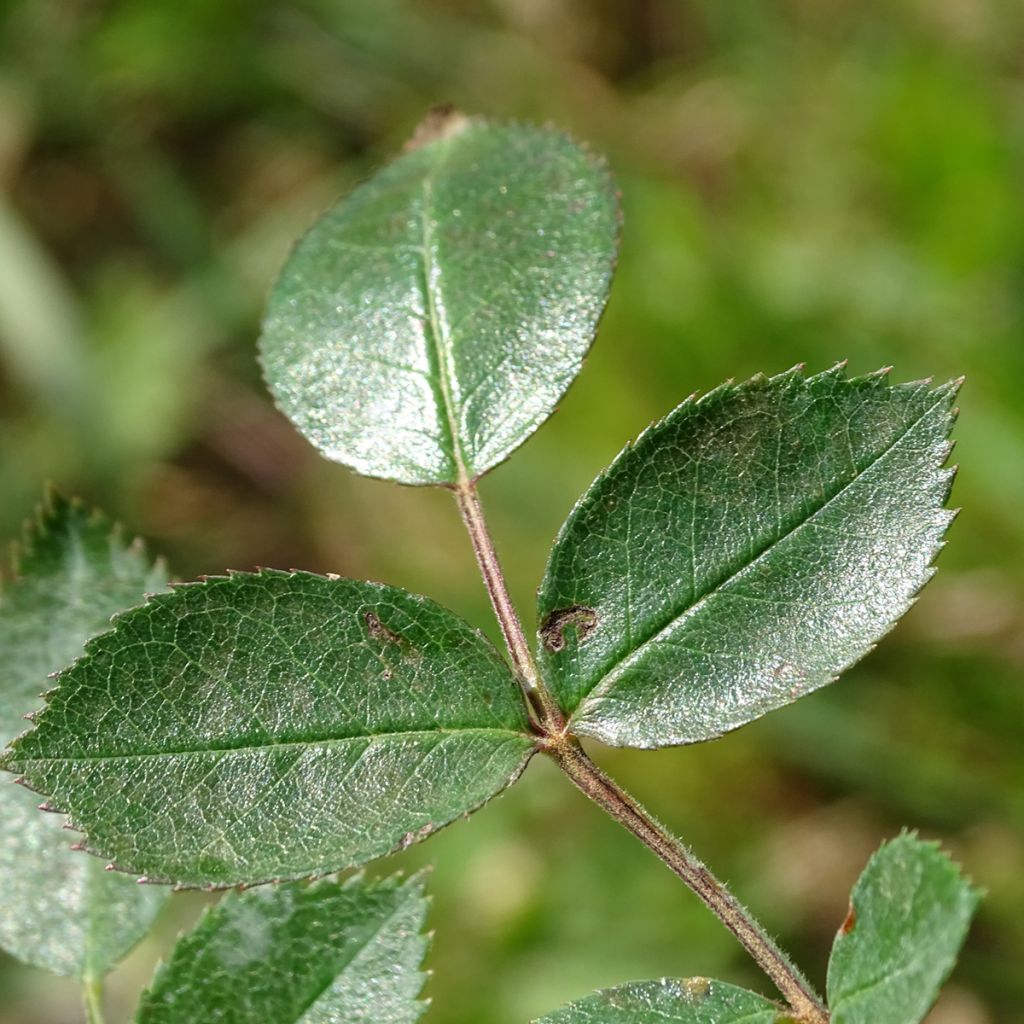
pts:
[802, 182]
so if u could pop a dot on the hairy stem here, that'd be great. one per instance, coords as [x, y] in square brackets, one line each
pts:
[547, 714]
[92, 994]
[803, 1002]
[561, 745]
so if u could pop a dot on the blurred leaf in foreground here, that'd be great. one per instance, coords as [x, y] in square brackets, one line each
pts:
[60, 910]
[299, 954]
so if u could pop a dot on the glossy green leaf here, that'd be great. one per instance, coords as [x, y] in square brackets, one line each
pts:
[695, 1001]
[60, 910]
[909, 915]
[278, 725]
[743, 552]
[325, 953]
[430, 322]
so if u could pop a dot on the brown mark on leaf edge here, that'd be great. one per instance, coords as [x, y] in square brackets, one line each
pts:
[849, 923]
[441, 122]
[414, 837]
[697, 990]
[552, 629]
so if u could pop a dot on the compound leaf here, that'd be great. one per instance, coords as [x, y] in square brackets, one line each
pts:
[429, 323]
[909, 915]
[274, 726]
[297, 953]
[743, 552]
[695, 1001]
[58, 910]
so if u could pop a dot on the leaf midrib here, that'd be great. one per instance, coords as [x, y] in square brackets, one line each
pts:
[612, 674]
[440, 343]
[19, 763]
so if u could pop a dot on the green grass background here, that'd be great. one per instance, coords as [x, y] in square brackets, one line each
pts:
[802, 181]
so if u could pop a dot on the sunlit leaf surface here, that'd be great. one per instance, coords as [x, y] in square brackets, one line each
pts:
[429, 323]
[279, 725]
[743, 552]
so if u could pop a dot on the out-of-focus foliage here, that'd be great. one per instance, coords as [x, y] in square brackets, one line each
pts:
[801, 182]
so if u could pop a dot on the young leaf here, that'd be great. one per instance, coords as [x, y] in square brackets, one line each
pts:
[299, 954]
[58, 910]
[430, 322]
[908, 918]
[277, 725]
[695, 1001]
[743, 552]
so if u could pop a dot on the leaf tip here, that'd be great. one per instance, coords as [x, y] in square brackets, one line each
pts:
[443, 121]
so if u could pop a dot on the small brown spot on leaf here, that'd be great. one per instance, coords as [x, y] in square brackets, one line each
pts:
[379, 631]
[552, 629]
[697, 990]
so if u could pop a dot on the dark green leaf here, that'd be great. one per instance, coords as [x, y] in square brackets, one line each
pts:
[743, 552]
[277, 725]
[695, 1001]
[326, 953]
[908, 918]
[429, 323]
[58, 910]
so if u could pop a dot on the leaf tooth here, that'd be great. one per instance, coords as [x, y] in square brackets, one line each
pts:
[837, 369]
[54, 510]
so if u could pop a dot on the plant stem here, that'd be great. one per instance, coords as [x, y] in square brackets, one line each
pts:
[547, 714]
[565, 749]
[586, 775]
[92, 992]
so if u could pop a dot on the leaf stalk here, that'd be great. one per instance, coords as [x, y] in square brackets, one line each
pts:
[804, 1003]
[559, 743]
[92, 994]
[544, 710]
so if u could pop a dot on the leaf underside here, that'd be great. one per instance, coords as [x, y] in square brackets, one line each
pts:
[744, 552]
[694, 1001]
[909, 915]
[429, 323]
[273, 726]
[59, 910]
[296, 953]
